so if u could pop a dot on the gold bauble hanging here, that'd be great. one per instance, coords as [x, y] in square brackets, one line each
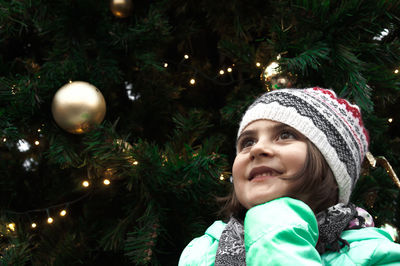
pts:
[274, 78]
[121, 8]
[78, 106]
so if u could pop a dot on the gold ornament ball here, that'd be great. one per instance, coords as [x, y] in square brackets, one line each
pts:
[274, 78]
[78, 106]
[121, 8]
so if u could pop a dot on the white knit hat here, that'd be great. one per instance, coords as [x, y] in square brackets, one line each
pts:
[332, 124]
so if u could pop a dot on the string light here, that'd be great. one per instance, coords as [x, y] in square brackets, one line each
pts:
[165, 65]
[192, 81]
[221, 177]
[63, 212]
[221, 72]
[85, 183]
[4, 139]
[37, 143]
[390, 120]
[39, 130]
[258, 64]
[396, 71]
[229, 69]
[11, 226]
[186, 56]
[106, 182]
[135, 162]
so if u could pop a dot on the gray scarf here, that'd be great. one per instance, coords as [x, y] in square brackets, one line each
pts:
[331, 223]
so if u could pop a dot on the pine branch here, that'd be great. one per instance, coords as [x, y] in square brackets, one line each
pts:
[15, 253]
[311, 58]
[140, 243]
[62, 153]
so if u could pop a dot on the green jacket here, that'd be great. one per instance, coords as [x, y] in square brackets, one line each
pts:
[285, 231]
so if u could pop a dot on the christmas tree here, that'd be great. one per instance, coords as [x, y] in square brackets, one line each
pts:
[137, 178]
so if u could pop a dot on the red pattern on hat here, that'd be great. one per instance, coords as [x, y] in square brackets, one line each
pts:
[355, 111]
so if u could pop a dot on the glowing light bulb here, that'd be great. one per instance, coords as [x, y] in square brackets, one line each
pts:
[39, 130]
[135, 162]
[37, 143]
[106, 182]
[229, 69]
[11, 226]
[192, 81]
[396, 71]
[4, 139]
[33, 225]
[221, 72]
[63, 213]
[258, 64]
[50, 220]
[186, 56]
[390, 120]
[165, 64]
[221, 177]
[85, 183]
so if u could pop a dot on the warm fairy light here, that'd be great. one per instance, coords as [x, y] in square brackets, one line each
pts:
[37, 142]
[396, 71]
[69, 81]
[258, 64]
[186, 56]
[50, 220]
[390, 120]
[192, 81]
[165, 64]
[11, 226]
[4, 139]
[63, 213]
[33, 225]
[229, 69]
[221, 177]
[106, 182]
[85, 183]
[39, 130]
[135, 162]
[221, 72]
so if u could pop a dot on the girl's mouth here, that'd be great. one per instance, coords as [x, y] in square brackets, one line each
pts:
[262, 172]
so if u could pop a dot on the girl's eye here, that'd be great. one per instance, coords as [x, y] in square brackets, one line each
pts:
[287, 135]
[246, 143]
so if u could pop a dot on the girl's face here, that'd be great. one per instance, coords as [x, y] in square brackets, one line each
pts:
[268, 155]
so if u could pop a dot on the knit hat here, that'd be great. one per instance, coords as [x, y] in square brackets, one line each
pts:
[332, 124]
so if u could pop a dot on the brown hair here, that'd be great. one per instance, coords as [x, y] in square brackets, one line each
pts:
[315, 185]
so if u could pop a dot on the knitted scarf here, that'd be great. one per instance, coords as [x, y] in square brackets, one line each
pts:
[331, 223]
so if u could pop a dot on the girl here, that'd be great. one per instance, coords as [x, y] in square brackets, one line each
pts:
[299, 155]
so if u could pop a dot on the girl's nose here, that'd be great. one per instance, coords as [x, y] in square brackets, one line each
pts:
[262, 149]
